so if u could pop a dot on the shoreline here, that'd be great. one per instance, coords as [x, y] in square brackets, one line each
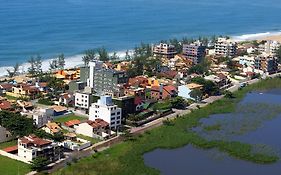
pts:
[72, 61]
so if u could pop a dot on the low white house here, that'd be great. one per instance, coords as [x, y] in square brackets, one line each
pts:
[95, 129]
[106, 110]
[5, 135]
[184, 90]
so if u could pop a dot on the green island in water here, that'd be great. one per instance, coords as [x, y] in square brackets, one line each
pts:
[126, 158]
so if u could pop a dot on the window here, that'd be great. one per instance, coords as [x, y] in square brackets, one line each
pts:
[113, 113]
[118, 113]
[7, 135]
[118, 122]
[118, 117]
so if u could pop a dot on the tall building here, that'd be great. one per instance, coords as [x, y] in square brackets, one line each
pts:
[266, 63]
[225, 47]
[94, 66]
[109, 82]
[269, 47]
[164, 50]
[106, 110]
[194, 51]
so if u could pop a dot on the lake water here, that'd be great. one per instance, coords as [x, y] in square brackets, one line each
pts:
[257, 121]
[30, 27]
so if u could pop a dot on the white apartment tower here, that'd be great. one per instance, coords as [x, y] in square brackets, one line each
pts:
[105, 109]
[225, 47]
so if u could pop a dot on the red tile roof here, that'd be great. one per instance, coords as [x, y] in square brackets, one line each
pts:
[34, 140]
[137, 100]
[5, 105]
[98, 123]
[6, 86]
[11, 149]
[72, 123]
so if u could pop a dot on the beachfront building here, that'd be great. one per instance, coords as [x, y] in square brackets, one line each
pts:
[164, 50]
[109, 82]
[266, 63]
[30, 147]
[225, 47]
[106, 110]
[5, 135]
[269, 47]
[194, 51]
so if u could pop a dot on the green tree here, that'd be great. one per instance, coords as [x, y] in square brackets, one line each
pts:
[178, 103]
[38, 65]
[61, 61]
[114, 57]
[196, 94]
[53, 65]
[103, 54]
[17, 124]
[127, 55]
[14, 71]
[32, 67]
[39, 163]
[90, 55]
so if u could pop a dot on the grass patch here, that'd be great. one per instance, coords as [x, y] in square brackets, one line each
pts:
[66, 118]
[215, 127]
[11, 167]
[92, 140]
[8, 144]
[9, 97]
[127, 158]
[45, 101]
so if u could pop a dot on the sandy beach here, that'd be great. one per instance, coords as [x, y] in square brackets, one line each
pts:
[273, 37]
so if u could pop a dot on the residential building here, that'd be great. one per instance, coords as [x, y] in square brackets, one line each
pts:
[247, 61]
[220, 80]
[30, 147]
[110, 82]
[5, 135]
[52, 128]
[164, 50]
[25, 90]
[59, 110]
[83, 100]
[163, 92]
[70, 74]
[225, 47]
[266, 63]
[75, 86]
[5, 105]
[66, 99]
[269, 47]
[106, 110]
[42, 116]
[194, 51]
[94, 66]
[184, 90]
[72, 123]
[6, 87]
[97, 128]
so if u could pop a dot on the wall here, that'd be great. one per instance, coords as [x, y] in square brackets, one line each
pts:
[13, 156]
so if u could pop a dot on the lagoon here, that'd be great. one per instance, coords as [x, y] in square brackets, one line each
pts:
[256, 120]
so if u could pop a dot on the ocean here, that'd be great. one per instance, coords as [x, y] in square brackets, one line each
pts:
[48, 28]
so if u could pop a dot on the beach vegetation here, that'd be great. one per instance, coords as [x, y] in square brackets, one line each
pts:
[103, 54]
[14, 71]
[90, 55]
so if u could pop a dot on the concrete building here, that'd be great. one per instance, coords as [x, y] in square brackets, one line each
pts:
[266, 63]
[164, 50]
[93, 67]
[30, 147]
[109, 82]
[83, 100]
[5, 135]
[225, 47]
[269, 47]
[194, 51]
[97, 128]
[106, 110]
[246, 61]
[42, 116]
